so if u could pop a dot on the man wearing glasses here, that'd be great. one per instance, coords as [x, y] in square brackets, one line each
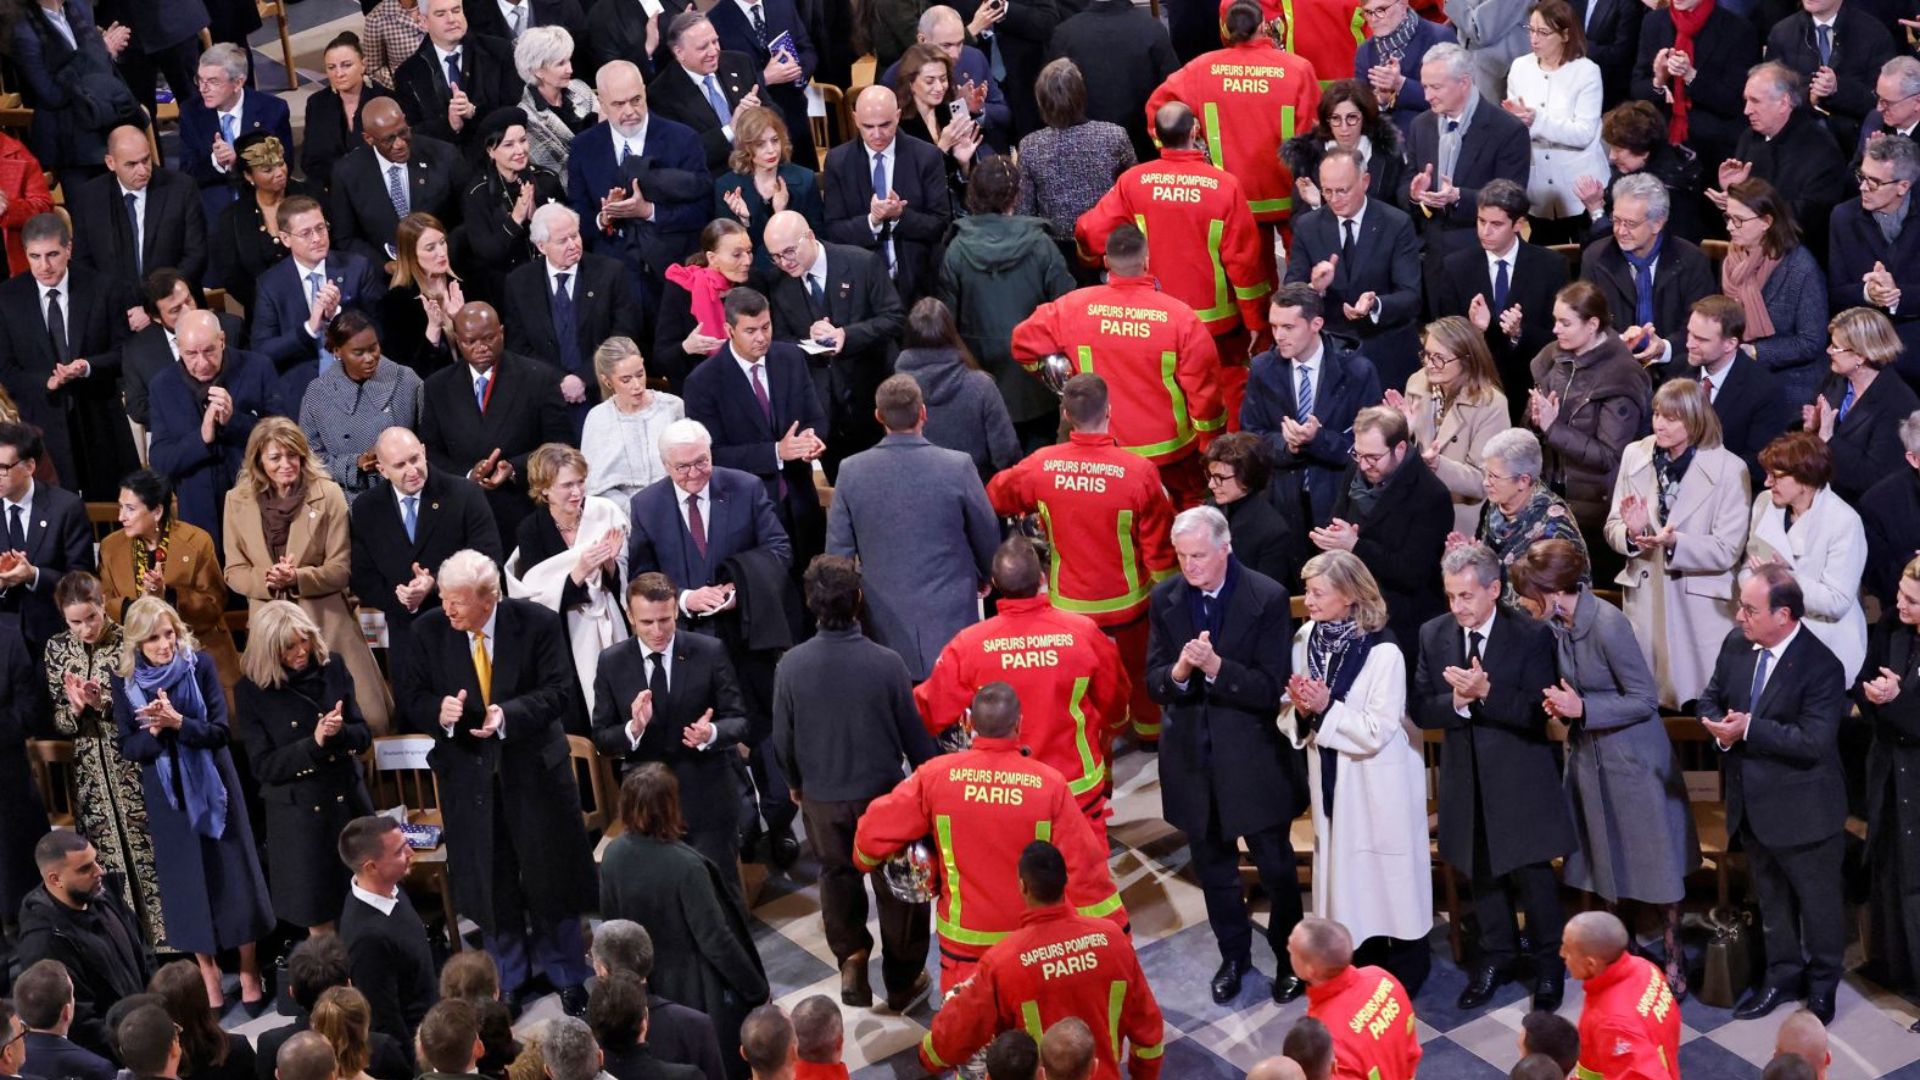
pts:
[397, 172]
[215, 118]
[299, 295]
[1649, 277]
[1389, 60]
[1874, 255]
[1896, 108]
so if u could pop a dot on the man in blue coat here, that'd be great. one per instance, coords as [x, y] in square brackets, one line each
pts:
[299, 295]
[210, 125]
[204, 409]
[1389, 60]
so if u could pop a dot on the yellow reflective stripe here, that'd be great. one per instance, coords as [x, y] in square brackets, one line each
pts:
[1053, 553]
[1147, 730]
[1581, 1072]
[1116, 999]
[960, 935]
[1092, 773]
[1043, 830]
[1222, 299]
[1662, 1051]
[1148, 1053]
[1030, 1019]
[1358, 27]
[1211, 111]
[1105, 907]
[1214, 424]
[1262, 206]
[1286, 12]
[1100, 607]
[926, 1049]
[1182, 421]
[1373, 1073]
[1162, 575]
[943, 829]
[866, 861]
[1129, 559]
[1253, 292]
[1086, 359]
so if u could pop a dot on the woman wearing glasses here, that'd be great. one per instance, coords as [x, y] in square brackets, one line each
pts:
[1859, 410]
[1779, 285]
[1802, 524]
[1555, 90]
[1350, 119]
[1453, 406]
[1520, 511]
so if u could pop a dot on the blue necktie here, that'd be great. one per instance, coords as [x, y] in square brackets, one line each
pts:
[480, 391]
[412, 503]
[230, 126]
[397, 191]
[1846, 404]
[1303, 398]
[16, 530]
[133, 221]
[1823, 36]
[565, 330]
[1643, 292]
[1500, 284]
[453, 71]
[313, 293]
[1759, 681]
[625, 152]
[880, 187]
[718, 100]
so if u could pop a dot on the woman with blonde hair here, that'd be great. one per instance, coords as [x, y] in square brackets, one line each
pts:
[286, 539]
[343, 1017]
[423, 296]
[1857, 413]
[622, 431]
[1679, 515]
[304, 735]
[761, 180]
[573, 559]
[1347, 702]
[1453, 405]
[172, 719]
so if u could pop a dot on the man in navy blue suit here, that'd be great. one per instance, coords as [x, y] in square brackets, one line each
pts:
[639, 182]
[225, 111]
[753, 27]
[300, 294]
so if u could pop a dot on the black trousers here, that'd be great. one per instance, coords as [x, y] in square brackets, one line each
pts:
[1409, 959]
[1801, 910]
[1216, 862]
[1539, 894]
[905, 929]
[721, 846]
[178, 63]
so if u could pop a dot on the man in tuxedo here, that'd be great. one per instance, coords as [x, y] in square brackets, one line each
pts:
[753, 27]
[406, 525]
[489, 678]
[838, 297]
[508, 19]
[1838, 50]
[1896, 109]
[223, 112]
[1361, 256]
[386, 942]
[1462, 143]
[155, 349]
[204, 409]
[134, 219]
[455, 77]
[887, 193]
[757, 400]
[565, 303]
[705, 87]
[1649, 277]
[1505, 286]
[1747, 398]
[395, 173]
[1785, 145]
[46, 534]
[44, 995]
[482, 417]
[1864, 266]
[299, 295]
[1217, 660]
[672, 697]
[1482, 671]
[1774, 707]
[60, 336]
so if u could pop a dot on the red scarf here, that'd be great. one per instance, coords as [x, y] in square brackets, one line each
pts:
[706, 285]
[1685, 25]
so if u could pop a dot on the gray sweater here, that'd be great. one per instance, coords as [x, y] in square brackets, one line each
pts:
[965, 411]
[843, 718]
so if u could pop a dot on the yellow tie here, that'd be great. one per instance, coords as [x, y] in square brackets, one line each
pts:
[483, 667]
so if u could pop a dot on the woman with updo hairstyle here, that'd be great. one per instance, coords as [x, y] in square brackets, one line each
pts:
[692, 323]
[344, 1018]
[335, 110]
[1239, 467]
[423, 296]
[1801, 523]
[964, 410]
[1860, 407]
[761, 180]
[245, 238]
[1350, 119]
[622, 435]
[1589, 399]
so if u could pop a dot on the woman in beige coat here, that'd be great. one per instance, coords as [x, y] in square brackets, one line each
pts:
[1453, 405]
[1679, 515]
[286, 537]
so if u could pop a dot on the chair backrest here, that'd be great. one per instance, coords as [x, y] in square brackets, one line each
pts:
[594, 775]
[1571, 253]
[397, 775]
[52, 763]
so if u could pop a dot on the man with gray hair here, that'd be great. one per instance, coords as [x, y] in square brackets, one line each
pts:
[1649, 278]
[1839, 49]
[1897, 112]
[562, 305]
[1890, 512]
[1787, 146]
[213, 120]
[1217, 659]
[1459, 145]
[675, 1032]
[569, 1051]
[1482, 671]
[705, 87]
[1873, 256]
[941, 27]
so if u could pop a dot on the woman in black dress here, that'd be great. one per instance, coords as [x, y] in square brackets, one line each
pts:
[303, 733]
[333, 112]
[246, 239]
[423, 297]
[1889, 696]
[499, 205]
[1350, 119]
[206, 1052]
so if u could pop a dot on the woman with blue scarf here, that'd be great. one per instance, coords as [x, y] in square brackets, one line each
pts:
[172, 717]
[1347, 704]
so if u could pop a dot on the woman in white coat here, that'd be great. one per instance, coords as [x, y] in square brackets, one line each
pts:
[1555, 91]
[1679, 515]
[1346, 702]
[1801, 524]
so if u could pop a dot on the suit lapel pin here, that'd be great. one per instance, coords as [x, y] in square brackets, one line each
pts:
[435, 506]
[589, 294]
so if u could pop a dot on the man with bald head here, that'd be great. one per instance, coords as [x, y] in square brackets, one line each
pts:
[406, 525]
[1630, 1022]
[137, 218]
[306, 1056]
[1276, 1068]
[838, 297]
[395, 172]
[1067, 1050]
[887, 192]
[1367, 1011]
[1803, 1036]
[203, 410]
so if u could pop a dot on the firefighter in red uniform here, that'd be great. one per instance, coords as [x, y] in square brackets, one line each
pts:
[1324, 33]
[1005, 799]
[1630, 1023]
[1160, 363]
[1365, 1009]
[1057, 965]
[1207, 248]
[1073, 688]
[1107, 523]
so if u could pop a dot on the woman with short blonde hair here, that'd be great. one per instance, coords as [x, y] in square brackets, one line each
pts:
[572, 558]
[1344, 572]
[1859, 409]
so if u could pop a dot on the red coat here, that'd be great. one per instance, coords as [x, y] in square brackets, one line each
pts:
[1371, 1020]
[1057, 965]
[25, 187]
[1073, 689]
[1630, 1024]
[1161, 367]
[1202, 242]
[1007, 800]
[1107, 520]
[1250, 97]
[1324, 33]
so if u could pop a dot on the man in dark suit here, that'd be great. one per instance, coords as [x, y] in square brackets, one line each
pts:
[165, 42]
[224, 111]
[406, 525]
[60, 337]
[622, 30]
[482, 417]
[1897, 104]
[1503, 818]
[1745, 395]
[299, 295]
[386, 941]
[1785, 145]
[1774, 706]
[135, 199]
[395, 174]
[753, 27]
[1890, 515]
[906, 223]
[641, 180]
[564, 304]
[46, 534]
[1613, 43]
[838, 297]
[44, 995]
[1456, 148]
[1837, 49]
[673, 698]
[489, 18]
[156, 348]
[705, 87]
[1865, 267]
[1217, 659]
[1394, 514]
[1361, 256]
[204, 409]
[1505, 286]
[1134, 55]
[675, 1032]
[1649, 277]
[455, 77]
[1389, 60]
[490, 680]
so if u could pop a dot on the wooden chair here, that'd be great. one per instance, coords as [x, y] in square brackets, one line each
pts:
[1716, 253]
[394, 779]
[832, 128]
[1700, 766]
[52, 764]
[274, 9]
[1449, 887]
[1571, 253]
[599, 798]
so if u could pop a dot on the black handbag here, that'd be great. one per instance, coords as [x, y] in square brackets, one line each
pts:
[1734, 959]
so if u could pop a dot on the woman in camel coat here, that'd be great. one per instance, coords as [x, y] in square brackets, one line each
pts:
[189, 568]
[286, 539]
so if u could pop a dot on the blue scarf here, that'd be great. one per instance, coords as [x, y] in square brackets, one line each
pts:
[1643, 279]
[189, 775]
[1336, 651]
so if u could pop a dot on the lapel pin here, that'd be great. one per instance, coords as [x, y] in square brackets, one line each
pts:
[436, 506]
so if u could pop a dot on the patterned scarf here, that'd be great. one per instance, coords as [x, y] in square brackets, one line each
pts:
[145, 558]
[1327, 645]
[1668, 472]
[1391, 47]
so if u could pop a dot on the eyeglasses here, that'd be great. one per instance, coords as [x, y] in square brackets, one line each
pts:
[9, 466]
[1498, 479]
[1345, 119]
[204, 82]
[1873, 183]
[1377, 10]
[1629, 224]
[789, 257]
[1369, 460]
[1221, 477]
[1884, 104]
[1541, 31]
[1837, 349]
[1437, 359]
[1735, 220]
[312, 232]
[689, 468]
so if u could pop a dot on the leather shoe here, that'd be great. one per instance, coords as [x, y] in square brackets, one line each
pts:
[1821, 1005]
[1763, 1001]
[783, 850]
[573, 999]
[1226, 981]
[1486, 979]
[905, 1000]
[1287, 986]
[1549, 990]
[855, 990]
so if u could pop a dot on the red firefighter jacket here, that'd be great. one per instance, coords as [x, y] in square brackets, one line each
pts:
[1630, 1024]
[1371, 1019]
[1250, 97]
[1324, 33]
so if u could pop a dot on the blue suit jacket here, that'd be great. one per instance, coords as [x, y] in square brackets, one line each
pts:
[281, 307]
[742, 519]
[199, 124]
[1348, 383]
[1412, 100]
[718, 395]
[203, 473]
[646, 247]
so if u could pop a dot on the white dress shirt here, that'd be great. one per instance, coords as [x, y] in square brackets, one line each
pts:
[220, 126]
[26, 523]
[1485, 630]
[383, 904]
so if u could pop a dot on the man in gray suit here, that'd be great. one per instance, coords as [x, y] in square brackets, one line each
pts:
[916, 517]
[1494, 32]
